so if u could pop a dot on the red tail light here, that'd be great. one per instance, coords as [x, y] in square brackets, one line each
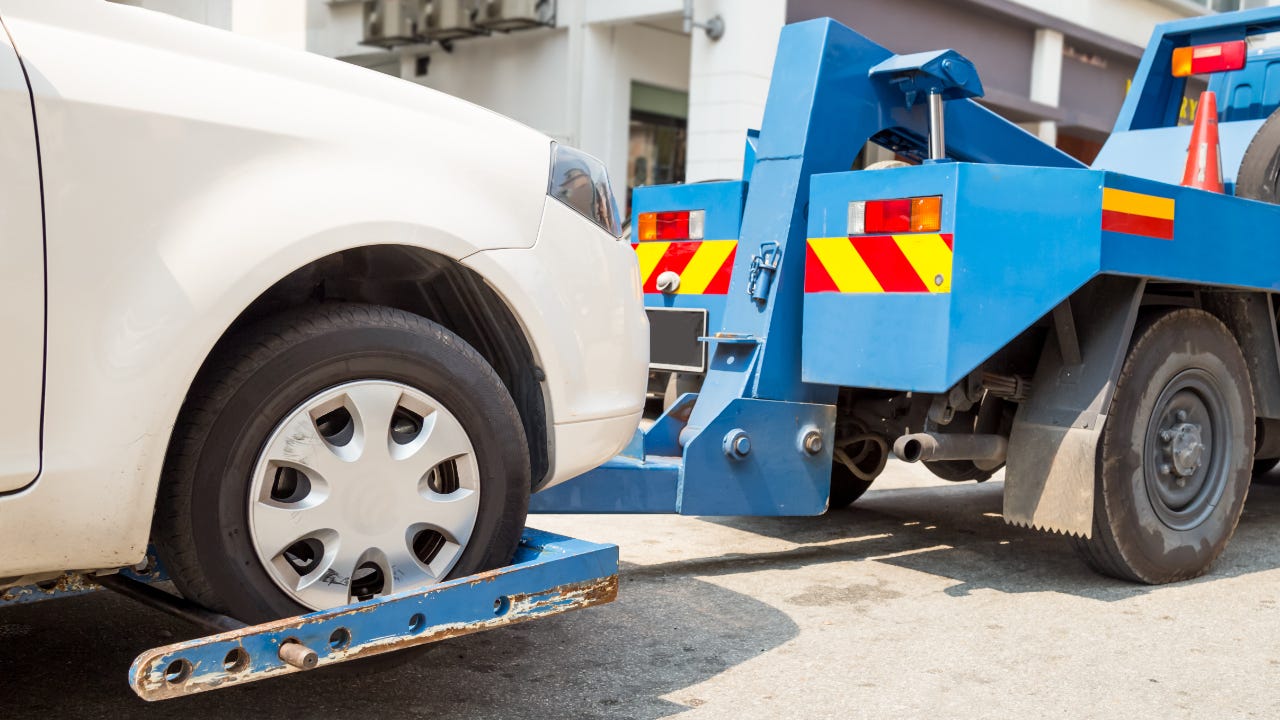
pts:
[902, 215]
[1215, 58]
[672, 225]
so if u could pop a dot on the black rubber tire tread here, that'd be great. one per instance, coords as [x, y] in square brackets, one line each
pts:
[846, 487]
[1259, 175]
[1116, 546]
[230, 582]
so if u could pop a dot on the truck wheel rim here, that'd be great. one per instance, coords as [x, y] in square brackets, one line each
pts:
[365, 489]
[1185, 456]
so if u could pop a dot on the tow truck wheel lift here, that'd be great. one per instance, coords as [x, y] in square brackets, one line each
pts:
[550, 574]
[898, 305]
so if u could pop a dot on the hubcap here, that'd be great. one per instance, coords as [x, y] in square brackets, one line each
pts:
[365, 489]
[1184, 462]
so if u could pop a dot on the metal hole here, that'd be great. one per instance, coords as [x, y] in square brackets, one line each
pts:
[405, 426]
[235, 660]
[177, 671]
[443, 478]
[427, 544]
[290, 485]
[366, 581]
[501, 605]
[340, 639]
[304, 556]
[336, 426]
[417, 623]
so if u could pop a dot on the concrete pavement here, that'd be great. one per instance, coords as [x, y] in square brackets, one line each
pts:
[917, 602]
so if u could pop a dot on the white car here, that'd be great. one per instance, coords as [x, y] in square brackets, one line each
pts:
[314, 332]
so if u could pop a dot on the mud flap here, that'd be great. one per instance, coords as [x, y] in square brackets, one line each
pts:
[1053, 447]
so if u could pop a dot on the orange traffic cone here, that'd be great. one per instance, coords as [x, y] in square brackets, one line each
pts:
[1204, 162]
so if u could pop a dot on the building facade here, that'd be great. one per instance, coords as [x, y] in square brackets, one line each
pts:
[624, 80]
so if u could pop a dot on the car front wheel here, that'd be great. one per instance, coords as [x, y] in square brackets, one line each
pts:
[339, 453]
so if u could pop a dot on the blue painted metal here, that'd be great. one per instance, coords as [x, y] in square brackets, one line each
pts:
[749, 154]
[945, 72]
[1027, 232]
[1024, 240]
[73, 584]
[824, 105]
[551, 574]
[723, 203]
[1147, 141]
[1252, 93]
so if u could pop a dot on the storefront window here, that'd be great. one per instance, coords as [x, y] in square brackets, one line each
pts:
[658, 137]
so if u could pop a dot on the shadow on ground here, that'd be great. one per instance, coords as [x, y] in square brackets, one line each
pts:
[958, 532]
[67, 659]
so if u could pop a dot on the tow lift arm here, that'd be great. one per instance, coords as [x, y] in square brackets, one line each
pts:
[551, 574]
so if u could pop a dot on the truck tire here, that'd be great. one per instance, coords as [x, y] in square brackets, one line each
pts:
[846, 487]
[1259, 176]
[1176, 453]
[335, 453]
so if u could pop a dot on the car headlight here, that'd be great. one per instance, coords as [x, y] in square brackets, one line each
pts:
[581, 182]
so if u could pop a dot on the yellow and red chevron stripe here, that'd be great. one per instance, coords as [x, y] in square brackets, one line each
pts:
[1134, 213]
[916, 263]
[704, 266]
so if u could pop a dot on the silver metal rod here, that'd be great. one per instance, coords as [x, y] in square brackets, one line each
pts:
[980, 448]
[937, 133]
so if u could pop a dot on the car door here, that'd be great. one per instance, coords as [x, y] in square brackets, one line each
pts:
[22, 278]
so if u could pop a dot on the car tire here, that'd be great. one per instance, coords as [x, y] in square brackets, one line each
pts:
[209, 527]
[1163, 510]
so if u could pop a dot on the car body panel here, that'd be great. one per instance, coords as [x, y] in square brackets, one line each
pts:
[21, 278]
[186, 171]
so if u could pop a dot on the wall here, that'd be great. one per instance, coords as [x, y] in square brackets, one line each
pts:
[729, 82]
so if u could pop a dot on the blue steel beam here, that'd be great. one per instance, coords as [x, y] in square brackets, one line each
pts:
[551, 574]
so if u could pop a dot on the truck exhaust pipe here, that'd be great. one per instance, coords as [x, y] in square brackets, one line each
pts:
[985, 451]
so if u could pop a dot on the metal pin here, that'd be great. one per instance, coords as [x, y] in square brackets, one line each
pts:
[298, 655]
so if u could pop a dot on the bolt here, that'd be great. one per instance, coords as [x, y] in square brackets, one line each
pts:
[812, 442]
[737, 443]
[938, 280]
[1165, 469]
[1166, 435]
[1181, 415]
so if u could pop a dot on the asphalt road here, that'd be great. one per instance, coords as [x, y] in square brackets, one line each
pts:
[918, 602]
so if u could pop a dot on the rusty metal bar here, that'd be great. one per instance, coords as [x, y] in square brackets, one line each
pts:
[551, 574]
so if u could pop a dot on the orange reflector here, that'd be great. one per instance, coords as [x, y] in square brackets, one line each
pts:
[926, 214]
[648, 226]
[1215, 58]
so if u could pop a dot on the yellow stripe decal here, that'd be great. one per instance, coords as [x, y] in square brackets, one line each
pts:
[703, 267]
[847, 268]
[649, 254]
[929, 257]
[1137, 204]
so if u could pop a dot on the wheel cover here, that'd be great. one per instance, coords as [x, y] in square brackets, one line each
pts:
[365, 489]
[1185, 463]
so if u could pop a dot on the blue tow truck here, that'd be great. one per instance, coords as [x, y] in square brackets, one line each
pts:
[1104, 334]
